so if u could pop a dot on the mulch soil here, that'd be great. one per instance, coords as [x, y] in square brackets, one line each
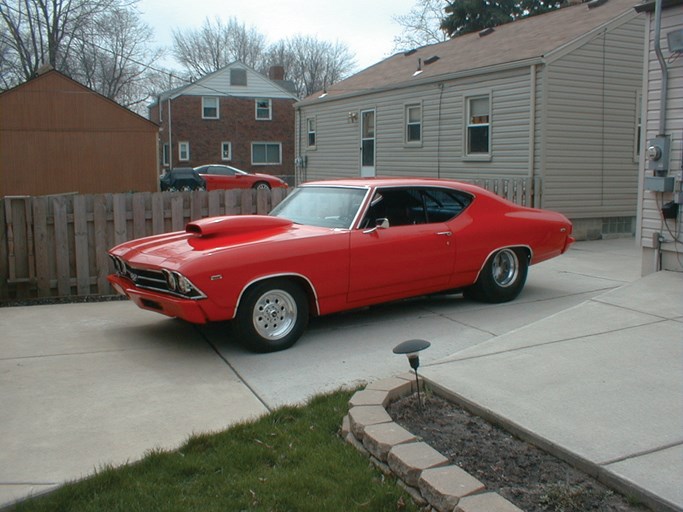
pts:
[530, 478]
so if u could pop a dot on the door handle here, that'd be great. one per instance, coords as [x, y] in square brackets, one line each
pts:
[444, 233]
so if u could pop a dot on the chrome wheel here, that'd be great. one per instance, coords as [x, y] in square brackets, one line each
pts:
[505, 268]
[262, 186]
[502, 277]
[274, 314]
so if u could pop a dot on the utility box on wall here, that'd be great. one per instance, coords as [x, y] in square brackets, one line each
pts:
[658, 151]
[659, 183]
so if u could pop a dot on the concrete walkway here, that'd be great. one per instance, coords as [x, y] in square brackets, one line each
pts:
[600, 384]
[587, 359]
[88, 385]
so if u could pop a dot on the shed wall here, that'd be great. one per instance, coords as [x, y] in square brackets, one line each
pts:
[57, 136]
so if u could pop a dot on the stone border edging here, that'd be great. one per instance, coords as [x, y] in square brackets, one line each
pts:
[423, 472]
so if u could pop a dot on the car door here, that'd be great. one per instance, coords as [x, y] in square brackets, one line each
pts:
[409, 257]
[219, 177]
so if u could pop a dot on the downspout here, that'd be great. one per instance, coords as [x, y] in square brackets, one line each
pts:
[298, 160]
[657, 238]
[662, 65]
[170, 130]
[532, 135]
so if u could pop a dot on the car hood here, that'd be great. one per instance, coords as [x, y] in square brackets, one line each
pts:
[266, 176]
[210, 235]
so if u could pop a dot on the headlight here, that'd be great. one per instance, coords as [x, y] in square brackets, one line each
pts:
[184, 284]
[119, 265]
[171, 280]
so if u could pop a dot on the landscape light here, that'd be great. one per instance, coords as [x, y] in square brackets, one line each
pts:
[411, 349]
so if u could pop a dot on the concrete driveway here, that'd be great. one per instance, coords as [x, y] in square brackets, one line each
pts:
[85, 385]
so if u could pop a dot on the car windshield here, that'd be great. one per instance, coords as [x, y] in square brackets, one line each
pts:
[326, 207]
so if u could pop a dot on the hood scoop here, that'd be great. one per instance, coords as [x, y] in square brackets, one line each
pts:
[235, 225]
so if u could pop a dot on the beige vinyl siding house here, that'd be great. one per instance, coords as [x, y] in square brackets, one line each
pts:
[557, 95]
[661, 238]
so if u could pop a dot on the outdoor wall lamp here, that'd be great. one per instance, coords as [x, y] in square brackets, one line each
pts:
[411, 349]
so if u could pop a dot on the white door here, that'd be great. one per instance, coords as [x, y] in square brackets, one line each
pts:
[367, 143]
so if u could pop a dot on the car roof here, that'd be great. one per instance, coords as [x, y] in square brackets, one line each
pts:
[398, 182]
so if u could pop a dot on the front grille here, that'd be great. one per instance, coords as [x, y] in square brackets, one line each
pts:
[150, 279]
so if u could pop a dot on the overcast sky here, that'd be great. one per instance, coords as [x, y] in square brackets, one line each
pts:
[366, 26]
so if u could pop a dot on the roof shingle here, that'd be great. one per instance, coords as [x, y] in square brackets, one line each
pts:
[527, 39]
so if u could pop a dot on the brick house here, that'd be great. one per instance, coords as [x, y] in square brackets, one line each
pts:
[234, 116]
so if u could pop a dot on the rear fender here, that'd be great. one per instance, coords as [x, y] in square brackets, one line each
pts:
[529, 255]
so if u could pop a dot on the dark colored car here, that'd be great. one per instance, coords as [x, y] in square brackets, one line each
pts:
[182, 178]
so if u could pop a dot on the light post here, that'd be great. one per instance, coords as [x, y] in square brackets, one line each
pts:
[411, 349]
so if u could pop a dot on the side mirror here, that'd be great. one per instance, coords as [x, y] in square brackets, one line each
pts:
[381, 223]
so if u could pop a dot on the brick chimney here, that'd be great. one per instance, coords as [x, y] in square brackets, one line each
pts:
[276, 73]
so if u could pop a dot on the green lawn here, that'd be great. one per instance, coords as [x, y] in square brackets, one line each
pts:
[290, 460]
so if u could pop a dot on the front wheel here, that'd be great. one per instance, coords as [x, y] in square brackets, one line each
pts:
[261, 185]
[502, 278]
[272, 315]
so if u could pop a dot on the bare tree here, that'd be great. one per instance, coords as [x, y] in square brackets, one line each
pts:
[310, 63]
[216, 44]
[39, 32]
[115, 58]
[102, 44]
[422, 25]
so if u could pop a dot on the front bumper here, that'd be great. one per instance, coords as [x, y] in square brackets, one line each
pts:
[190, 310]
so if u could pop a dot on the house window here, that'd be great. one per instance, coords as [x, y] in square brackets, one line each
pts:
[310, 126]
[183, 151]
[238, 77]
[413, 123]
[226, 150]
[263, 109]
[209, 107]
[478, 125]
[164, 154]
[266, 153]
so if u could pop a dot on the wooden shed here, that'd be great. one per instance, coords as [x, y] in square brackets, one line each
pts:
[57, 136]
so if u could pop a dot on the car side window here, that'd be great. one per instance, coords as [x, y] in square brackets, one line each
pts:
[408, 206]
[400, 206]
[222, 171]
[442, 205]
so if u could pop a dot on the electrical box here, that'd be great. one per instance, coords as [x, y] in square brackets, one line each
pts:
[658, 150]
[675, 40]
[659, 183]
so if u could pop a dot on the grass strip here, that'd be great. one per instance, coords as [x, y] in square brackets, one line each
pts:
[289, 460]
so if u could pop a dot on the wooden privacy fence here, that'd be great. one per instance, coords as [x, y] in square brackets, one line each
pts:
[56, 246]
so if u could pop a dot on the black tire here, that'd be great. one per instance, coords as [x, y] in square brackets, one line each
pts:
[261, 185]
[502, 278]
[272, 315]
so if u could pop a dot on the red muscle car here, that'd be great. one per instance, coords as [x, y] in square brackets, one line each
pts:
[338, 245]
[219, 176]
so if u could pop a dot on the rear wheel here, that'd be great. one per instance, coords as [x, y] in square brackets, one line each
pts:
[272, 315]
[502, 278]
